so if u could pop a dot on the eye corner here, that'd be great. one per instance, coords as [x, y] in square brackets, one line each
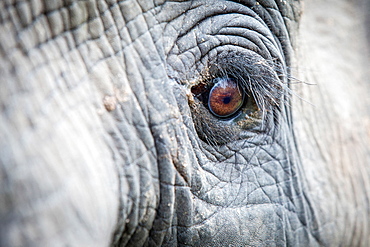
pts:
[199, 89]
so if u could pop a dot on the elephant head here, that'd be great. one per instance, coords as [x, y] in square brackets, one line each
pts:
[184, 123]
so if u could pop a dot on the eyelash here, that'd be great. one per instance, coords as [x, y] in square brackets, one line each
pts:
[261, 80]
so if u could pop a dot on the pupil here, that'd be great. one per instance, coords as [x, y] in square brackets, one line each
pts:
[226, 100]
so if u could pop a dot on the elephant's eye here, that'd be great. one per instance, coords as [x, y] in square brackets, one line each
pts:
[235, 96]
[225, 98]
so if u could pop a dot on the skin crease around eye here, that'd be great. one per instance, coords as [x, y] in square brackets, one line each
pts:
[225, 98]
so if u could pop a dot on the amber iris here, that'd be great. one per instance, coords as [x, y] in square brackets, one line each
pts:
[225, 98]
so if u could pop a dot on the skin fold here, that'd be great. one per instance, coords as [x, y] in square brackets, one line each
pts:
[106, 138]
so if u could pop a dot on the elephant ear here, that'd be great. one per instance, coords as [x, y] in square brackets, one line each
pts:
[58, 179]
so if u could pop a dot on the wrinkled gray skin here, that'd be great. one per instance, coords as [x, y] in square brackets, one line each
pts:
[100, 143]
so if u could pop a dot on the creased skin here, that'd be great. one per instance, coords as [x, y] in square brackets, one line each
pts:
[100, 144]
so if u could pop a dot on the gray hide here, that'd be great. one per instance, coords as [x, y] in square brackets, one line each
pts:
[103, 143]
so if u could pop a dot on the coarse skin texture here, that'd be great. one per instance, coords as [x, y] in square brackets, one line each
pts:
[102, 142]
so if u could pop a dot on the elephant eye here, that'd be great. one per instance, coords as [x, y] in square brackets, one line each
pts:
[225, 97]
[234, 96]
